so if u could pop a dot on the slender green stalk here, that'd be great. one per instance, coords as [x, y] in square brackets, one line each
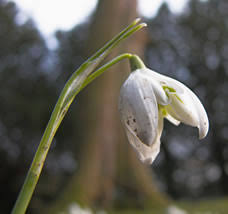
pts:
[93, 61]
[129, 27]
[79, 79]
[102, 69]
[136, 63]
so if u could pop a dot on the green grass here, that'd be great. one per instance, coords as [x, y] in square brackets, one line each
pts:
[211, 206]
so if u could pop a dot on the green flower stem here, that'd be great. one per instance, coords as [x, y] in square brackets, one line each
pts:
[102, 69]
[79, 79]
[136, 63]
[129, 27]
[94, 60]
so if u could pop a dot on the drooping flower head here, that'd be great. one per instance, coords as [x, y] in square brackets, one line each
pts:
[146, 98]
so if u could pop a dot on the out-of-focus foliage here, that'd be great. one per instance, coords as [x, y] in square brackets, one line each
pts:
[24, 90]
[193, 48]
[28, 95]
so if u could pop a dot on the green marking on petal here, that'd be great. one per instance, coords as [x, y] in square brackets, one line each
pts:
[173, 91]
[163, 110]
[179, 98]
[170, 89]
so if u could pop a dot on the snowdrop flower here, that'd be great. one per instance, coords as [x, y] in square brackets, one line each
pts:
[146, 98]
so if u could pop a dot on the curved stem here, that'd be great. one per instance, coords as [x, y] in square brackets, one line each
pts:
[79, 79]
[136, 63]
[102, 69]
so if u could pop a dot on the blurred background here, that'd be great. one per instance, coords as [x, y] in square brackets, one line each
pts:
[90, 163]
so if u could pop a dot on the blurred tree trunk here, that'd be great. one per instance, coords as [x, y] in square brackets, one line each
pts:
[110, 173]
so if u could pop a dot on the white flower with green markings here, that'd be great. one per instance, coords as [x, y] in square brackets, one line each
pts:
[147, 97]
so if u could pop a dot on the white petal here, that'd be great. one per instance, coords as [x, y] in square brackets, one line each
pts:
[191, 111]
[172, 120]
[138, 107]
[164, 80]
[203, 123]
[160, 94]
[183, 110]
[188, 109]
[146, 154]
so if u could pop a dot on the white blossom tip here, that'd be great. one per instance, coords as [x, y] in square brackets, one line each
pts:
[144, 24]
[137, 20]
[203, 128]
